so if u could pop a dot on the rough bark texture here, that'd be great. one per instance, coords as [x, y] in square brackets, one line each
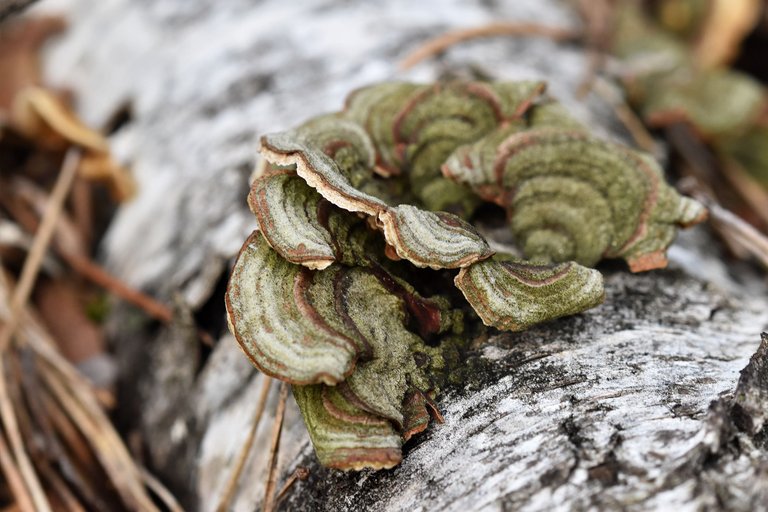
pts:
[634, 404]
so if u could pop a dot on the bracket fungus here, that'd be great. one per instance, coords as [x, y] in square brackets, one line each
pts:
[366, 277]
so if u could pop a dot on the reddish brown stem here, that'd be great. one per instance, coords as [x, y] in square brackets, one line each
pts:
[277, 429]
[445, 41]
[301, 473]
[101, 277]
[234, 477]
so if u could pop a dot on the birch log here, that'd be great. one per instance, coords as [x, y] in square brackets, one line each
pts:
[635, 405]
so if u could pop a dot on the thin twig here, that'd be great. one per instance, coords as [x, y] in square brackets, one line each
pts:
[76, 397]
[598, 17]
[595, 62]
[82, 210]
[67, 447]
[750, 238]
[14, 478]
[702, 163]
[78, 401]
[41, 242]
[68, 500]
[161, 491]
[101, 277]
[624, 113]
[11, 428]
[300, 473]
[75, 256]
[18, 300]
[445, 41]
[234, 477]
[748, 188]
[277, 429]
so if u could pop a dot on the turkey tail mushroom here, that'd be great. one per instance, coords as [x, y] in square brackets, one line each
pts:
[515, 295]
[344, 436]
[341, 330]
[571, 196]
[315, 298]
[284, 337]
[416, 127]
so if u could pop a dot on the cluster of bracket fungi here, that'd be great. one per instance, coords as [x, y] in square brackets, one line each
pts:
[724, 107]
[345, 290]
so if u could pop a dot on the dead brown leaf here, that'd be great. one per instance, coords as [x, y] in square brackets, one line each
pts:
[727, 23]
[61, 307]
[20, 45]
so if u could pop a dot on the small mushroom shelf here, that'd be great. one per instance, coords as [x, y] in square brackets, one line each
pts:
[361, 211]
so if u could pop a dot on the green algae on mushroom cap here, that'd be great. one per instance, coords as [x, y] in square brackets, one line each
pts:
[416, 127]
[285, 341]
[379, 384]
[333, 156]
[308, 327]
[345, 436]
[725, 107]
[514, 295]
[419, 236]
[714, 103]
[316, 300]
[312, 327]
[571, 196]
[435, 240]
[287, 211]
[303, 227]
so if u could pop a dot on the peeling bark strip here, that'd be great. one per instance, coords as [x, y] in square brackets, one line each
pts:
[397, 151]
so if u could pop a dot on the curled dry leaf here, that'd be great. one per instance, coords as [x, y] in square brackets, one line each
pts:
[20, 43]
[324, 295]
[46, 119]
[717, 26]
[41, 116]
[727, 23]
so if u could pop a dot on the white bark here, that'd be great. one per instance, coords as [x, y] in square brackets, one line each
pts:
[608, 409]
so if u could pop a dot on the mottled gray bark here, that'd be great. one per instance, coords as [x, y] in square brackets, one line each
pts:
[631, 405]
